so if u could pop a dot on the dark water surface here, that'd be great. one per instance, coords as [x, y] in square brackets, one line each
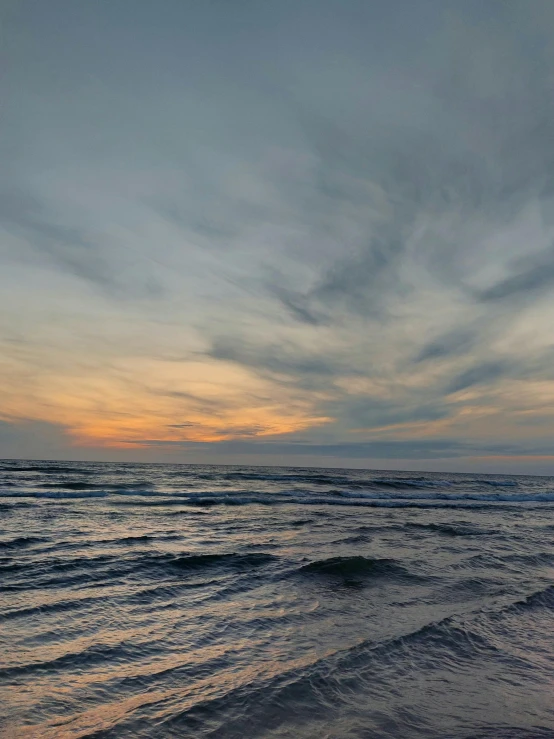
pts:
[186, 601]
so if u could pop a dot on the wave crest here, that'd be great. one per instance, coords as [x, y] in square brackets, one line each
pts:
[358, 567]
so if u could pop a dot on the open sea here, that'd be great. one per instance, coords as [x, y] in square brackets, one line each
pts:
[142, 600]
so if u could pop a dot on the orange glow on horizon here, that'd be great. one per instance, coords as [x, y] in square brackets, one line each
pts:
[134, 402]
[154, 401]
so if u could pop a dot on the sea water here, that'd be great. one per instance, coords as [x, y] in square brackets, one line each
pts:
[206, 601]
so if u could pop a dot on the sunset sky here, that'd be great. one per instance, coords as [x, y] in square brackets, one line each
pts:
[278, 232]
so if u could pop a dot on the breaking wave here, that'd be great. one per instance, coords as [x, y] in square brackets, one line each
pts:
[296, 497]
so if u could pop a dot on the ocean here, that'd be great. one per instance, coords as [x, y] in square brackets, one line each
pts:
[143, 600]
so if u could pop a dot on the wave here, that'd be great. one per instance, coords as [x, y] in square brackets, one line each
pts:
[448, 496]
[397, 483]
[321, 687]
[536, 559]
[45, 572]
[135, 487]
[510, 732]
[368, 668]
[58, 564]
[319, 478]
[423, 499]
[355, 539]
[496, 483]
[138, 539]
[69, 485]
[90, 656]
[14, 506]
[447, 529]
[400, 483]
[80, 490]
[358, 566]
[21, 541]
[314, 478]
[350, 498]
[54, 494]
[231, 560]
[353, 498]
[537, 600]
[60, 606]
[46, 469]
[132, 539]
[372, 668]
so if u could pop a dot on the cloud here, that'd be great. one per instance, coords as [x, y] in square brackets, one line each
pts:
[427, 449]
[535, 366]
[32, 439]
[351, 231]
[68, 247]
[75, 250]
[298, 305]
[453, 343]
[276, 358]
[532, 279]
[360, 412]
[449, 153]
[479, 374]
[360, 282]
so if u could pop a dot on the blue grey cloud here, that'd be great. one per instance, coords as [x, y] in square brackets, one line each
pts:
[277, 358]
[74, 250]
[486, 372]
[427, 449]
[451, 344]
[359, 412]
[68, 247]
[535, 275]
[32, 439]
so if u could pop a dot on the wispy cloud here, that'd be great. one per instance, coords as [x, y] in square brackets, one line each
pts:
[44, 238]
[534, 276]
[67, 247]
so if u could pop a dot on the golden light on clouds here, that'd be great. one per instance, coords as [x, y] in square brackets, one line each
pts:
[145, 400]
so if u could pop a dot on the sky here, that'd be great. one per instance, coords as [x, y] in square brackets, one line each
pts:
[307, 232]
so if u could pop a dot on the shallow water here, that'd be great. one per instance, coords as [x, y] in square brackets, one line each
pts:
[187, 601]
